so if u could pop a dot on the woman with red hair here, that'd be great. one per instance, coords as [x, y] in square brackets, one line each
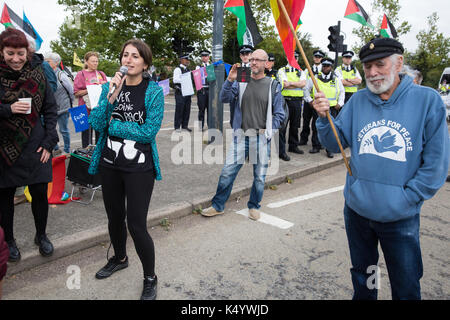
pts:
[27, 135]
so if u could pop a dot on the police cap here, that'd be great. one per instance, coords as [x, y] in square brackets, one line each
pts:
[184, 56]
[327, 61]
[319, 53]
[348, 54]
[205, 53]
[271, 57]
[246, 48]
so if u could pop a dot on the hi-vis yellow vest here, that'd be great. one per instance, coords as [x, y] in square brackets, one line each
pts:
[349, 75]
[330, 89]
[292, 77]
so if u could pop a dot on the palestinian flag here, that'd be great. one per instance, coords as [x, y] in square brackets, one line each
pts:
[247, 30]
[294, 9]
[387, 28]
[11, 20]
[355, 12]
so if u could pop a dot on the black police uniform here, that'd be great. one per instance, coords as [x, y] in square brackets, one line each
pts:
[182, 104]
[310, 114]
[203, 95]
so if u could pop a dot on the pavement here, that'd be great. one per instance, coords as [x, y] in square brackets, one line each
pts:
[187, 185]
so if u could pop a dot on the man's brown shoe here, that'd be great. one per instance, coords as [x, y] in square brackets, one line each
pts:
[210, 212]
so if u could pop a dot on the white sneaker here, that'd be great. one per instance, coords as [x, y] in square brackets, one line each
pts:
[210, 212]
[254, 214]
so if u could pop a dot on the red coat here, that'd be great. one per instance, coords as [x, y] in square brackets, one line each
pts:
[4, 254]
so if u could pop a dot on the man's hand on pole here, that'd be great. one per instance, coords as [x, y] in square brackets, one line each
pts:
[321, 104]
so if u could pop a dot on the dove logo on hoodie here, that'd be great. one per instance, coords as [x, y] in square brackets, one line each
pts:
[388, 141]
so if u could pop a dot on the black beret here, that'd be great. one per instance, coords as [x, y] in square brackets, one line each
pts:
[271, 57]
[246, 48]
[379, 48]
[327, 61]
[319, 53]
[348, 53]
[205, 53]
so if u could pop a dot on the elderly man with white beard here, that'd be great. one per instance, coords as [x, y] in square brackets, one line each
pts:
[399, 143]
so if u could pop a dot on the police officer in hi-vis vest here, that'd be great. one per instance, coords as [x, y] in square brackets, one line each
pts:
[348, 74]
[270, 71]
[203, 94]
[309, 114]
[330, 84]
[292, 81]
[182, 104]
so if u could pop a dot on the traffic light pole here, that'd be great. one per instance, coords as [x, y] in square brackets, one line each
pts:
[336, 56]
[215, 109]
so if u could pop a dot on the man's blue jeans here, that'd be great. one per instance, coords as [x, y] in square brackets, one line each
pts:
[399, 241]
[63, 121]
[257, 149]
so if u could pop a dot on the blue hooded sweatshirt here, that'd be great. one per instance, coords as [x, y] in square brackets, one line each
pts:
[399, 150]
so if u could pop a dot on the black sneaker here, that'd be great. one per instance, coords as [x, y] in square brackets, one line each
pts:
[45, 246]
[14, 253]
[149, 291]
[112, 266]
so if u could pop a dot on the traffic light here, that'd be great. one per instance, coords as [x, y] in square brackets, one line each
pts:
[181, 46]
[334, 38]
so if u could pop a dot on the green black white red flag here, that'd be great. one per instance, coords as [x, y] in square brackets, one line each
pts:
[387, 28]
[247, 30]
[356, 12]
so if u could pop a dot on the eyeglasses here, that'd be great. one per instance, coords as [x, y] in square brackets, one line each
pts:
[256, 60]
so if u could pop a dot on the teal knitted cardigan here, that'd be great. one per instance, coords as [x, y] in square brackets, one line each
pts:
[144, 133]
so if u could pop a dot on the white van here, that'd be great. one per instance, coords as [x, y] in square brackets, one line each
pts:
[445, 95]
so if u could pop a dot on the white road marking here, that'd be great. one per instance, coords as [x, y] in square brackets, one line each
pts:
[304, 197]
[268, 219]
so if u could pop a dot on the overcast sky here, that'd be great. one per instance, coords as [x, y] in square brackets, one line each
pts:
[47, 16]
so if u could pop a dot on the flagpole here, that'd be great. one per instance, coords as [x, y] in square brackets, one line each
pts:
[286, 15]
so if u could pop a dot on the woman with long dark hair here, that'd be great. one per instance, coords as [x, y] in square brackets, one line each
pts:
[27, 135]
[127, 158]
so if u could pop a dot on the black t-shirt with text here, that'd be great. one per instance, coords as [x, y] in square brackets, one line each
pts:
[124, 154]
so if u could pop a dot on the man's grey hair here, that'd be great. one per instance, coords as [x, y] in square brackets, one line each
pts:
[56, 58]
[415, 74]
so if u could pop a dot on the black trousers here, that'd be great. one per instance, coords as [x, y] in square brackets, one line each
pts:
[126, 196]
[39, 208]
[295, 116]
[333, 112]
[87, 137]
[202, 102]
[347, 96]
[309, 114]
[182, 110]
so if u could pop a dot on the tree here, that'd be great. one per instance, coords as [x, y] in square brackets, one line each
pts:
[104, 25]
[432, 55]
[379, 7]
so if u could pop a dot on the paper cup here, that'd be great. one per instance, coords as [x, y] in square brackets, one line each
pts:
[27, 100]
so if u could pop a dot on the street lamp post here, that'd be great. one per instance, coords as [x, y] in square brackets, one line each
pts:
[215, 111]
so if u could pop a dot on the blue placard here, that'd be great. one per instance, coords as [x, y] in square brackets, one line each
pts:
[80, 118]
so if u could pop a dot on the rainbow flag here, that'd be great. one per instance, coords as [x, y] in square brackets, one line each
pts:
[294, 9]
